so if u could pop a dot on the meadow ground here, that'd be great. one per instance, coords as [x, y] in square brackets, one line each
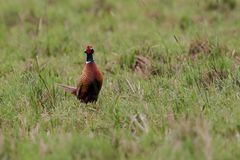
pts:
[171, 88]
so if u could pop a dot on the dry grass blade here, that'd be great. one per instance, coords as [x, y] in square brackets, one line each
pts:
[1, 143]
[131, 86]
[197, 47]
[195, 130]
[142, 66]
[139, 121]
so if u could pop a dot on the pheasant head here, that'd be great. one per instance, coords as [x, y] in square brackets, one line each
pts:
[89, 52]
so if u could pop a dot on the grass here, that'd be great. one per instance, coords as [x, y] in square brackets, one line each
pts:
[183, 105]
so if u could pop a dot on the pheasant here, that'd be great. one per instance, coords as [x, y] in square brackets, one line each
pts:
[90, 81]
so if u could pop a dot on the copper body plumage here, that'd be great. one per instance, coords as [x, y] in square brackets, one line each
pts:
[90, 81]
[89, 84]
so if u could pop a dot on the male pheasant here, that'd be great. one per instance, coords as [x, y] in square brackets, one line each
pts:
[90, 81]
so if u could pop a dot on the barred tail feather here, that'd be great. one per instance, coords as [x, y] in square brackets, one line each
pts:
[70, 89]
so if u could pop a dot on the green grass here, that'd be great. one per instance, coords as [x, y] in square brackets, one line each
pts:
[185, 107]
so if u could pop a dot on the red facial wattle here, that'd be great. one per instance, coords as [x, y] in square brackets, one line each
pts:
[89, 50]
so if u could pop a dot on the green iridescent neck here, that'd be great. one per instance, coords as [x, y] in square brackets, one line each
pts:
[89, 58]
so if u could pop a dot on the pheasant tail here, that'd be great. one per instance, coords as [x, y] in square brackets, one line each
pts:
[69, 89]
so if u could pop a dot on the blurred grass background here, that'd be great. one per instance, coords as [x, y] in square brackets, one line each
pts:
[171, 87]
